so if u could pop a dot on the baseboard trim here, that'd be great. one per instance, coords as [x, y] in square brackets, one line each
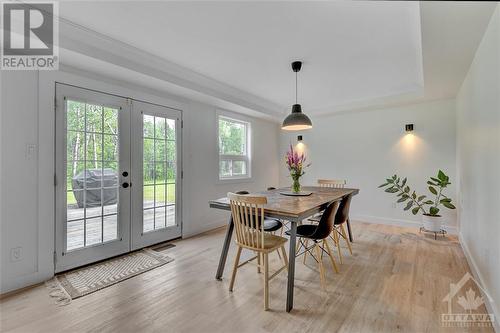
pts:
[397, 222]
[478, 276]
[207, 227]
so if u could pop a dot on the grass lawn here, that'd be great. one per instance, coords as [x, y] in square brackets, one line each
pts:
[148, 193]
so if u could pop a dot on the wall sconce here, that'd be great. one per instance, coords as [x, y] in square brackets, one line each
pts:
[299, 138]
[409, 127]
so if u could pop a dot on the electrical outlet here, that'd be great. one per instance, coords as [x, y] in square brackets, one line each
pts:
[30, 151]
[16, 254]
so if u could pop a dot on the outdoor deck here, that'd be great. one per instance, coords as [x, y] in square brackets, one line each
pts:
[96, 231]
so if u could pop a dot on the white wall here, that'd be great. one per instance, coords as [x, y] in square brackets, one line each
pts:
[201, 166]
[367, 147]
[478, 160]
[27, 117]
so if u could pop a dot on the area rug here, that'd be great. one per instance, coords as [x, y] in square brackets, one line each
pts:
[89, 279]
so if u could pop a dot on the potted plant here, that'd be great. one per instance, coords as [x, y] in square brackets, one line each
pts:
[431, 219]
[295, 163]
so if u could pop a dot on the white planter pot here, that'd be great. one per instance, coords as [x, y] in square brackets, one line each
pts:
[432, 223]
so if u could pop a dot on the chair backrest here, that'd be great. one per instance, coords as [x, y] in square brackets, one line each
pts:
[242, 192]
[343, 211]
[248, 219]
[332, 183]
[325, 225]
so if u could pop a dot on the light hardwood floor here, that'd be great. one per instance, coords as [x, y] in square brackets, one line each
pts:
[394, 282]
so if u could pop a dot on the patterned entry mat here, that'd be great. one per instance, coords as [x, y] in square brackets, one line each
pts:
[86, 280]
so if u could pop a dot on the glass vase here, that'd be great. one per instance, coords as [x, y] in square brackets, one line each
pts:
[296, 184]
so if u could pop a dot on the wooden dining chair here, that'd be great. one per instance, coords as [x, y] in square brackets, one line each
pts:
[318, 234]
[332, 183]
[248, 218]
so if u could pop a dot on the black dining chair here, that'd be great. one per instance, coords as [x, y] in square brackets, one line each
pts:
[318, 233]
[341, 219]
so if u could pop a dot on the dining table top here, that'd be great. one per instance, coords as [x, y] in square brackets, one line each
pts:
[294, 207]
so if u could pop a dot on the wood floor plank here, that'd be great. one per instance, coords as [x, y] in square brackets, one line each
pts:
[394, 282]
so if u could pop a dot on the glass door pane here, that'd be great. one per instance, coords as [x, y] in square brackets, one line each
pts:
[92, 166]
[159, 172]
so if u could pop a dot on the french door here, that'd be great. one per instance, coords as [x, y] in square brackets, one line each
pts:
[117, 175]
[156, 149]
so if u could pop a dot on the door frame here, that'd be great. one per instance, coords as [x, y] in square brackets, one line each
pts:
[65, 261]
[69, 259]
[138, 238]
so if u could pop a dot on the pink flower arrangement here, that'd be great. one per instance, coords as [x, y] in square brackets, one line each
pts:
[295, 162]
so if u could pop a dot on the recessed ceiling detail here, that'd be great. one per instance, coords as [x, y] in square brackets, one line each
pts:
[355, 51]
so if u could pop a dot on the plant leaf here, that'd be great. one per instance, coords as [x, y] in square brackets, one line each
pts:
[409, 205]
[449, 205]
[433, 211]
[403, 199]
[445, 200]
[420, 198]
[435, 179]
[431, 183]
[391, 190]
[428, 202]
[404, 182]
[385, 184]
[389, 181]
[442, 177]
[407, 189]
[414, 195]
[415, 210]
[433, 190]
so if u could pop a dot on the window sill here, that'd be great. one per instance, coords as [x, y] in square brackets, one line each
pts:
[234, 180]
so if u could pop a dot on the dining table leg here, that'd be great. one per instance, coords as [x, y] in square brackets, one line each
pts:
[349, 230]
[225, 249]
[291, 266]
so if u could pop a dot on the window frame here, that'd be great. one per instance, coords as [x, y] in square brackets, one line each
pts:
[248, 147]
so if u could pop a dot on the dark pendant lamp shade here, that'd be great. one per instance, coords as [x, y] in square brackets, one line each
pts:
[296, 121]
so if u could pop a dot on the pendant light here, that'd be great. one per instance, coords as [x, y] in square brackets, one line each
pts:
[296, 121]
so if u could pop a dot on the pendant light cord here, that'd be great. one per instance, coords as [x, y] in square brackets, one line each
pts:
[296, 88]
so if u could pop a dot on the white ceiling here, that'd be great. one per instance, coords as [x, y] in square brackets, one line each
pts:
[355, 54]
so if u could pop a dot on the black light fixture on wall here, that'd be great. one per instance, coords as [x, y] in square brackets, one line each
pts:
[296, 121]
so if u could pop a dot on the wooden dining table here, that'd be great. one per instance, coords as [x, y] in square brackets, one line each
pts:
[294, 209]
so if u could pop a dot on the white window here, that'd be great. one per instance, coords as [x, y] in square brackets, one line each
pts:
[234, 148]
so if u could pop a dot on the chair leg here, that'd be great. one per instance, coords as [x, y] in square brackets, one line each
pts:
[344, 234]
[258, 263]
[330, 254]
[321, 268]
[337, 242]
[235, 268]
[285, 258]
[305, 253]
[266, 282]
